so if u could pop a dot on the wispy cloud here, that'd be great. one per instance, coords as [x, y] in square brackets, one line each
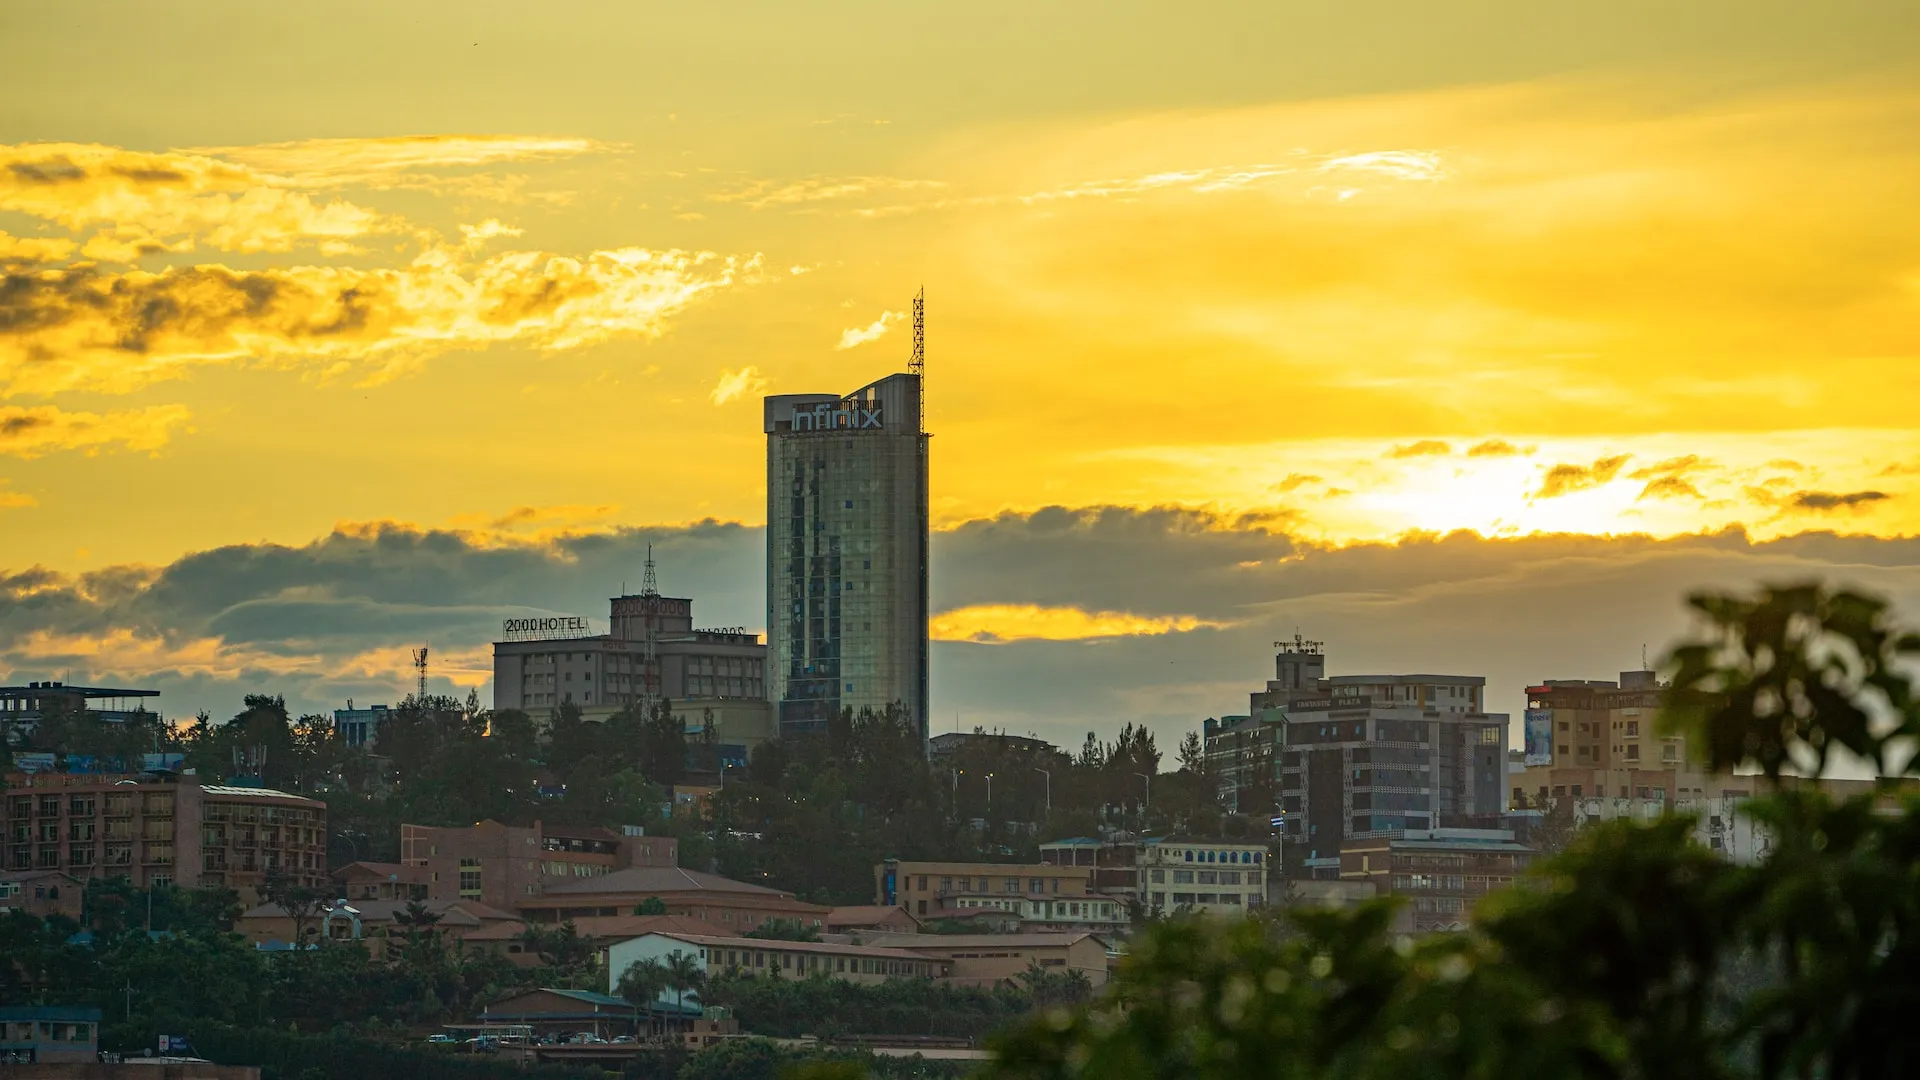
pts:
[873, 331]
[986, 623]
[761, 194]
[1422, 448]
[1497, 448]
[79, 328]
[1566, 479]
[30, 432]
[387, 162]
[734, 385]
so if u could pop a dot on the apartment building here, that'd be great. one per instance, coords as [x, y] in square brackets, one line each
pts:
[162, 831]
[504, 865]
[932, 890]
[1443, 873]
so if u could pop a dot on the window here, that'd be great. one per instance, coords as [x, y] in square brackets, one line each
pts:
[1159, 877]
[1183, 877]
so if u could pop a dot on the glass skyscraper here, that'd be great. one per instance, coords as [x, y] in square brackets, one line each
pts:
[846, 553]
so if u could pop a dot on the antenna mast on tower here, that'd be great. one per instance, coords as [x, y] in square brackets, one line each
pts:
[917, 363]
[650, 631]
[420, 670]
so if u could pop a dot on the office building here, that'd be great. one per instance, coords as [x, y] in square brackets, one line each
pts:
[504, 865]
[1442, 873]
[359, 727]
[1359, 757]
[847, 535]
[21, 707]
[1597, 738]
[1165, 874]
[1034, 895]
[96, 826]
[651, 648]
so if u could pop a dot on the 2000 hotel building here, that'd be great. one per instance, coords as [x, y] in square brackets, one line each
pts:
[846, 553]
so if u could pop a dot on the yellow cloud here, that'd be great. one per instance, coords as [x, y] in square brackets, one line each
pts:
[16, 500]
[81, 329]
[384, 162]
[143, 654]
[43, 429]
[169, 201]
[734, 385]
[1021, 622]
[873, 331]
[27, 249]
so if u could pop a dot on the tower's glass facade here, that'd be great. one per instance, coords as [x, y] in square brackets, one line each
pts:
[846, 553]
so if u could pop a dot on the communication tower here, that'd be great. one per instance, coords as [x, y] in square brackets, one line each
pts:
[917, 363]
[420, 671]
[650, 631]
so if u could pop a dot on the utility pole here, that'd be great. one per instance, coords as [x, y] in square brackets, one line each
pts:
[1148, 805]
[1049, 777]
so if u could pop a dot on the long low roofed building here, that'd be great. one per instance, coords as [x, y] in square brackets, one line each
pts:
[733, 907]
[787, 959]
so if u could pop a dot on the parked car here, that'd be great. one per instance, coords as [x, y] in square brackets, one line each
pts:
[442, 1040]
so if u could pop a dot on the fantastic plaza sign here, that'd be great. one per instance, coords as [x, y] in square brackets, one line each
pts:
[846, 416]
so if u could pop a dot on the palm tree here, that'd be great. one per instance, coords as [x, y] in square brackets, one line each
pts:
[684, 976]
[416, 921]
[642, 984]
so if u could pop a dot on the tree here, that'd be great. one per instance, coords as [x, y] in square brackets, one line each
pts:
[783, 930]
[642, 984]
[416, 924]
[301, 903]
[684, 977]
[1640, 953]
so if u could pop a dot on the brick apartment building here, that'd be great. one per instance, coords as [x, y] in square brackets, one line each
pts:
[1442, 872]
[504, 866]
[162, 831]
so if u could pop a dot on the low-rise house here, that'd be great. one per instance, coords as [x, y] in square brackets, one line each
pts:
[49, 1034]
[986, 959]
[383, 924]
[889, 917]
[41, 893]
[768, 957]
[381, 881]
[551, 1011]
[730, 907]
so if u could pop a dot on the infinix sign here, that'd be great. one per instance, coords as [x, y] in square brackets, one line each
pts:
[847, 415]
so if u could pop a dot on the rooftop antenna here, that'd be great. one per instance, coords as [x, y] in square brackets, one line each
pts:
[917, 363]
[420, 670]
[650, 631]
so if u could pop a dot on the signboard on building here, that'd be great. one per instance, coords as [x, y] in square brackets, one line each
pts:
[1539, 730]
[847, 416]
[162, 762]
[546, 628]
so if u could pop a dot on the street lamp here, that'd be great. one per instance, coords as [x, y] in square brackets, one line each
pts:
[989, 793]
[1049, 777]
[1148, 805]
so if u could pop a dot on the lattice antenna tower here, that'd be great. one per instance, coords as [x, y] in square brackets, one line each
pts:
[420, 672]
[917, 363]
[650, 631]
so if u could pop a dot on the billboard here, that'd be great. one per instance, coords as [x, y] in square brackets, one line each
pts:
[33, 763]
[1539, 728]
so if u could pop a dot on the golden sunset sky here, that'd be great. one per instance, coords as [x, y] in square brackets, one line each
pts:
[1345, 274]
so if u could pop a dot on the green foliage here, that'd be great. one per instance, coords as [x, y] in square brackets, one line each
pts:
[828, 1007]
[643, 982]
[286, 1055]
[1634, 953]
[783, 930]
[763, 1059]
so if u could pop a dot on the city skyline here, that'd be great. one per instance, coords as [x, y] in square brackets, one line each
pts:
[1238, 316]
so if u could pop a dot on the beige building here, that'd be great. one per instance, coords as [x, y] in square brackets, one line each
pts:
[785, 959]
[986, 959]
[1443, 873]
[1169, 873]
[932, 890]
[731, 907]
[379, 924]
[505, 866]
[162, 832]
[1597, 739]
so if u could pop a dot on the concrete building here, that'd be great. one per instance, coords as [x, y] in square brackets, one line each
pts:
[944, 750]
[987, 959]
[1169, 873]
[847, 542]
[732, 907]
[1359, 757]
[1596, 739]
[888, 917]
[49, 1034]
[162, 832]
[505, 866]
[767, 957]
[932, 890]
[42, 893]
[716, 675]
[1443, 873]
[359, 727]
[22, 707]
[381, 881]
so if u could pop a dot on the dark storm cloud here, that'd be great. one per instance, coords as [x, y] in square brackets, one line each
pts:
[1832, 500]
[1564, 479]
[1515, 610]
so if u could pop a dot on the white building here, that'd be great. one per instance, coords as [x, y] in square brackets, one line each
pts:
[766, 957]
